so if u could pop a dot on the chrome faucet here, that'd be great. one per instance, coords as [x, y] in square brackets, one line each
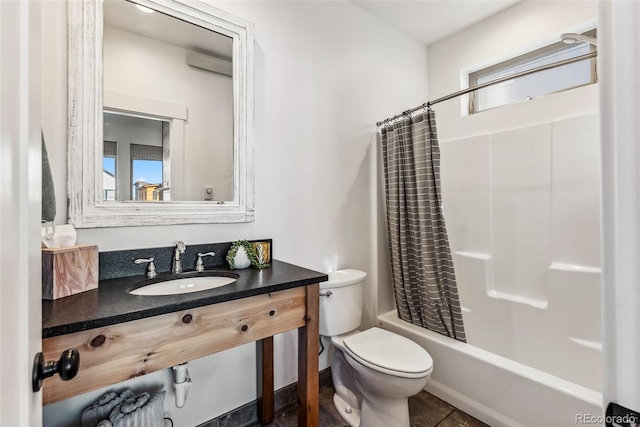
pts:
[177, 261]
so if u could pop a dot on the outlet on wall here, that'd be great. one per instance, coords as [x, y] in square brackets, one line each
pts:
[208, 193]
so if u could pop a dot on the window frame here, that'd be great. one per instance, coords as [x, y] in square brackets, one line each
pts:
[115, 169]
[504, 66]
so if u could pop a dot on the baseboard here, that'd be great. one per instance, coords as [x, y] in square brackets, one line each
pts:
[247, 415]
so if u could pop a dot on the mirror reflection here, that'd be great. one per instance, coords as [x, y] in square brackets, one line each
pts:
[136, 161]
[168, 108]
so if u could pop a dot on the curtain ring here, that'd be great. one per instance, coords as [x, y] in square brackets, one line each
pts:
[429, 106]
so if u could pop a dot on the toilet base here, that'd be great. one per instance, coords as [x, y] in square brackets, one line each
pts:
[383, 411]
[395, 413]
[352, 418]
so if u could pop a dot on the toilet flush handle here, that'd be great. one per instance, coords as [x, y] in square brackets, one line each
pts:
[326, 294]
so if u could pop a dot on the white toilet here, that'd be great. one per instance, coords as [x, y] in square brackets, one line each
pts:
[375, 371]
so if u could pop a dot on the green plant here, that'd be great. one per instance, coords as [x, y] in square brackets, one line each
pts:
[251, 253]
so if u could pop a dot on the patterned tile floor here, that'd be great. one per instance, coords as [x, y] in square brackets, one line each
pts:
[425, 410]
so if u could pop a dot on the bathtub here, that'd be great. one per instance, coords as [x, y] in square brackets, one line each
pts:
[494, 389]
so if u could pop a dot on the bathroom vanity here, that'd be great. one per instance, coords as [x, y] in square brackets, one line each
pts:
[122, 336]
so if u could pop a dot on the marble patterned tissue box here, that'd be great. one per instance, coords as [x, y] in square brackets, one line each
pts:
[68, 271]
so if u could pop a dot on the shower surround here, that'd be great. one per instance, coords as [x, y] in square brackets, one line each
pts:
[522, 209]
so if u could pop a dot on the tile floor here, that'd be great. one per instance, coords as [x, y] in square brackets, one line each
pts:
[425, 410]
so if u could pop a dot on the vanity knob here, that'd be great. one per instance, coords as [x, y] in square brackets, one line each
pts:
[67, 367]
[199, 263]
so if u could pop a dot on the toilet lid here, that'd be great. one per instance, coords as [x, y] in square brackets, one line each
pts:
[389, 353]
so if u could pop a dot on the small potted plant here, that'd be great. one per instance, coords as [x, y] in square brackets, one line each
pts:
[242, 254]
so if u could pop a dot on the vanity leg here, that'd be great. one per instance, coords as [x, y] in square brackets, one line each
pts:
[265, 380]
[308, 378]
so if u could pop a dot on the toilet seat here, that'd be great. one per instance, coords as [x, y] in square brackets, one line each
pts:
[389, 353]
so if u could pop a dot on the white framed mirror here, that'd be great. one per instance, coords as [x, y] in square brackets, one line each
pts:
[161, 110]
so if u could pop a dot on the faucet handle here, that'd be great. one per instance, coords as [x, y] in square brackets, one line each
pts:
[151, 270]
[199, 263]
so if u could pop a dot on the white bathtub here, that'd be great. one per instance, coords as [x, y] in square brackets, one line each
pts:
[494, 389]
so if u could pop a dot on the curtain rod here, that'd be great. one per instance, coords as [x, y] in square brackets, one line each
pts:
[492, 82]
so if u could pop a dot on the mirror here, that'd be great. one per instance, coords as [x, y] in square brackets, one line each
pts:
[160, 114]
[155, 59]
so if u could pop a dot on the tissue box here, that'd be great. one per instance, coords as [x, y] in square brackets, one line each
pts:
[68, 271]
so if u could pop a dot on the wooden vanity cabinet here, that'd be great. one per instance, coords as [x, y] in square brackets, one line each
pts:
[115, 353]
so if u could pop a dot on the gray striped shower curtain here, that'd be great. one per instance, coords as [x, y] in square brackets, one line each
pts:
[424, 281]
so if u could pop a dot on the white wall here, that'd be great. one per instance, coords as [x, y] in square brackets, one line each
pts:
[521, 200]
[522, 209]
[325, 73]
[524, 26]
[152, 69]
[621, 251]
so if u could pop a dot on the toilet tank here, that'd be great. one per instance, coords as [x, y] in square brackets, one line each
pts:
[341, 312]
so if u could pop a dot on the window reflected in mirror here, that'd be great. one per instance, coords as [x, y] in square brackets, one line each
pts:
[136, 158]
[109, 170]
[146, 174]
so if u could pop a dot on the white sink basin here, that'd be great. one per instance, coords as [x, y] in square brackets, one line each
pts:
[183, 286]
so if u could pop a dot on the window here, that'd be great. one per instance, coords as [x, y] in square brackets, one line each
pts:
[533, 85]
[146, 171]
[109, 168]
[140, 157]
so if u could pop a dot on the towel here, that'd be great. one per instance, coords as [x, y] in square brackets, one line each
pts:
[48, 192]
[101, 409]
[142, 410]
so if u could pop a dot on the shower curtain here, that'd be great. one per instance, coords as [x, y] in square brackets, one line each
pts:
[424, 281]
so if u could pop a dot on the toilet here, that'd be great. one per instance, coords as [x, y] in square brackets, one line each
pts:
[374, 371]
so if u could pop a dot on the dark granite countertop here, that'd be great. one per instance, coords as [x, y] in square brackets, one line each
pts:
[111, 303]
